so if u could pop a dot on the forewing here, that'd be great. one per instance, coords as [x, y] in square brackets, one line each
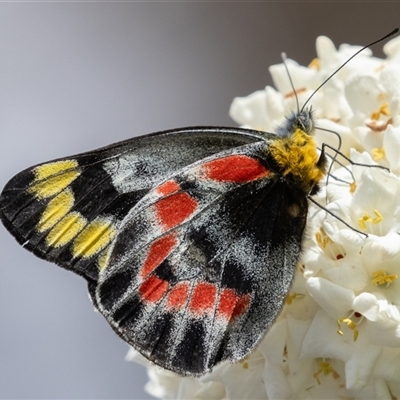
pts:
[69, 210]
[202, 264]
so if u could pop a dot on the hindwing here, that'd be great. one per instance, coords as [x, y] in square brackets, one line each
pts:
[201, 265]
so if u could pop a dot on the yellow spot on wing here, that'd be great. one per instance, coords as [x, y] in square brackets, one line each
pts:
[57, 208]
[53, 168]
[103, 259]
[66, 230]
[94, 238]
[53, 177]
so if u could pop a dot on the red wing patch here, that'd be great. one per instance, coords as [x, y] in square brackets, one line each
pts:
[153, 289]
[235, 168]
[173, 210]
[203, 298]
[168, 188]
[202, 301]
[178, 295]
[231, 305]
[159, 251]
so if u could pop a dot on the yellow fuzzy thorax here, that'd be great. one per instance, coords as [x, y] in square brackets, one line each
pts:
[297, 156]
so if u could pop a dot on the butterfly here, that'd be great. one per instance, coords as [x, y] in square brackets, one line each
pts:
[188, 238]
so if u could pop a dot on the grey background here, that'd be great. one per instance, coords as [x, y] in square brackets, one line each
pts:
[76, 76]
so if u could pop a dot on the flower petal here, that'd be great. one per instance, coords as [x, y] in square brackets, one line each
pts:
[361, 363]
[322, 340]
[334, 299]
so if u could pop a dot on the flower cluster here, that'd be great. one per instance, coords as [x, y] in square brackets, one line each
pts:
[338, 335]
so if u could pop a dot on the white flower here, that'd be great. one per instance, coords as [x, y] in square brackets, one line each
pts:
[338, 335]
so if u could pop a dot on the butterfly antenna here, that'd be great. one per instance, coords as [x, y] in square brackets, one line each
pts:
[284, 58]
[393, 32]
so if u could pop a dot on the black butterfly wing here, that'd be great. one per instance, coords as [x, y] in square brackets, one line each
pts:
[202, 264]
[68, 210]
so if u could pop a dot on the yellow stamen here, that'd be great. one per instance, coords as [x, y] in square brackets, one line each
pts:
[324, 368]
[378, 153]
[362, 221]
[322, 238]
[383, 110]
[244, 362]
[381, 96]
[378, 218]
[350, 324]
[366, 218]
[375, 115]
[380, 278]
[315, 64]
[353, 187]
[290, 297]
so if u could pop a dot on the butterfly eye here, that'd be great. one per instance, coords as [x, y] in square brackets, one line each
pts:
[304, 121]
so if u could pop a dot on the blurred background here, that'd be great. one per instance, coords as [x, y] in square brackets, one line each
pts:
[77, 76]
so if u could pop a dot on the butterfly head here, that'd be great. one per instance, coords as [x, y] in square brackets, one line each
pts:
[302, 120]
